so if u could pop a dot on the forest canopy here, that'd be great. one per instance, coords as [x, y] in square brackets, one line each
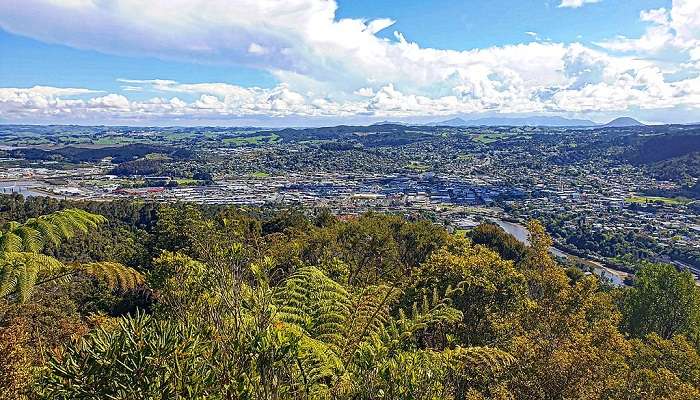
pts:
[131, 300]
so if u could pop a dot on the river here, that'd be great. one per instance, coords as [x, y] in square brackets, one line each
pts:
[21, 187]
[521, 233]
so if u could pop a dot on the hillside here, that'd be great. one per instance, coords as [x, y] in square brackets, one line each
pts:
[136, 300]
[89, 154]
[623, 122]
[514, 121]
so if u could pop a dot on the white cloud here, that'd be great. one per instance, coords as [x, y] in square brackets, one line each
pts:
[379, 25]
[675, 32]
[364, 92]
[328, 66]
[257, 49]
[576, 3]
[111, 101]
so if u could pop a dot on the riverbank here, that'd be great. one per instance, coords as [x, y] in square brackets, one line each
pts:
[520, 232]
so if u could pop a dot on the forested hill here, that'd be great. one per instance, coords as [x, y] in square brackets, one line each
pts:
[85, 154]
[133, 300]
[651, 149]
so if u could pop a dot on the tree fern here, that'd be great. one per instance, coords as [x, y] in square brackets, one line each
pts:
[370, 315]
[483, 361]
[19, 272]
[316, 304]
[10, 241]
[318, 364]
[431, 311]
[51, 229]
[114, 275]
[332, 324]
[22, 266]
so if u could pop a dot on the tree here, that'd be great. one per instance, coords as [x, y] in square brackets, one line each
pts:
[662, 301]
[139, 358]
[488, 290]
[661, 369]
[307, 338]
[492, 236]
[15, 366]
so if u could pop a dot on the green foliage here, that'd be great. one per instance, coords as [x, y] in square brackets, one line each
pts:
[114, 275]
[36, 233]
[662, 301]
[19, 272]
[486, 289]
[252, 304]
[316, 304]
[495, 238]
[376, 345]
[15, 367]
[140, 358]
[22, 267]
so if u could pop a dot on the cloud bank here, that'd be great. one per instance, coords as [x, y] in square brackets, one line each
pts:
[327, 66]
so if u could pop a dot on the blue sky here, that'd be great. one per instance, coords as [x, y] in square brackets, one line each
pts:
[317, 61]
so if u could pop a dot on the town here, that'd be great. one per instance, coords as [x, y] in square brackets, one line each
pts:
[599, 203]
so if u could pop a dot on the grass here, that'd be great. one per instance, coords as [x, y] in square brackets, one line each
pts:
[157, 156]
[112, 140]
[418, 166]
[487, 138]
[657, 199]
[187, 182]
[252, 140]
[74, 139]
[259, 174]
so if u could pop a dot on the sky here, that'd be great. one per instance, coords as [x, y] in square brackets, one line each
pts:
[322, 62]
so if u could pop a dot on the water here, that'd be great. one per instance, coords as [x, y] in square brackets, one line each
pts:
[522, 235]
[520, 232]
[21, 187]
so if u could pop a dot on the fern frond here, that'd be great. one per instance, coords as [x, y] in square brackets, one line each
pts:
[483, 361]
[49, 229]
[10, 242]
[315, 303]
[19, 272]
[317, 362]
[370, 314]
[114, 275]
[71, 221]
[429, 314]
[32, 241]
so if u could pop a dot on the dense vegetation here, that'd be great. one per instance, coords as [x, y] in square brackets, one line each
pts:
[117, 153]
[625, 249]
[128, 300]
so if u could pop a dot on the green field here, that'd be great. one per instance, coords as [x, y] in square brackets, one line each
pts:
[252, 140]
[187, 182]
[656, 199]
[488, 138]
[418, 166]
[157, 156]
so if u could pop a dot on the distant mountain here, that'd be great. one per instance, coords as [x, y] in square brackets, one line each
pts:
[389, 123]
[623, 122]
[521, 121]
[451, 122]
